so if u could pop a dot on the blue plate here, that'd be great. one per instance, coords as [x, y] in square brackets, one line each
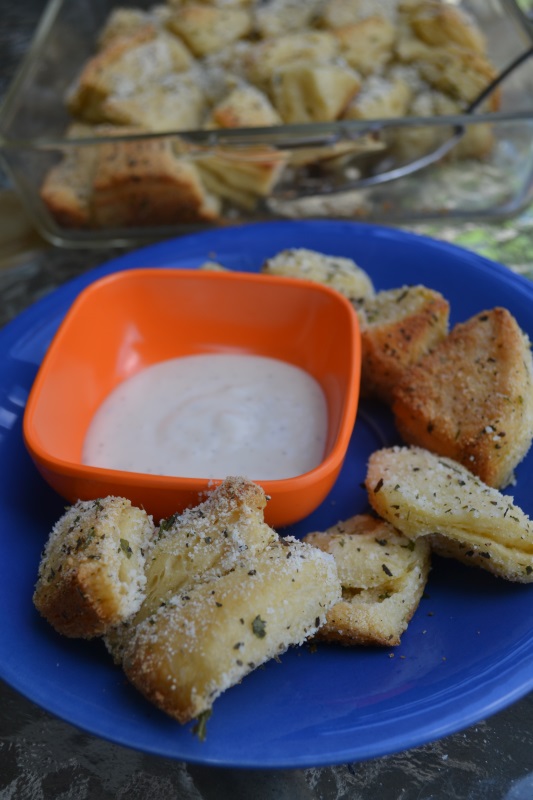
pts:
[468, 650]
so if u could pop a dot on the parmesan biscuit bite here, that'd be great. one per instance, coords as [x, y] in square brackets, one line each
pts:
[208, 539]
[304, 91]
[125, 21]
[128, 64]
[424, 495]
[242, 175]
[91, 575]
[460, 73]
[200, 544]
[207, 639]
[471, 398]
[207, 29]
[266, 57]
[244, 107]
[439, 24]
[382, 574]
[367, 45]
[176, 103]
[341, 273]
[142, 182]
[278, 17]
[398, 326]
[381, 97]
[67, 188]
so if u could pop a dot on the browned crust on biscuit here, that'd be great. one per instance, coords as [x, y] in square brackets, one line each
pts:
[471, 399]
[398, 327]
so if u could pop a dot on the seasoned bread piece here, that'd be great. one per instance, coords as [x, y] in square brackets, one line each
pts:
[242, 175]
[426, 495]
[381, 97]
[439, 24]
[142, 182]
[398, 326]
[279, 17]
[91, 575]
[367, 45]
[268, 56]
[471, 398]
[200, 544]
[207, 539]
[341, 273]
[176, 103]
[66, 190]
[382, 574]
[341, 13]
[304, 91]
[207, 29]
[126, 21]
[460, 73]
[244, 107]
[128, 64]
[206, 640]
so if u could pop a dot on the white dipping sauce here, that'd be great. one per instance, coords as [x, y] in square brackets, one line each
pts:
[209, 416]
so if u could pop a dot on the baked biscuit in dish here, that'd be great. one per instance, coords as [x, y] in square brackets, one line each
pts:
[471, 398]
[175, 103]
[367, 45]
[424, 495]
[341, 13]
[303, 91]
[340, 273]
[382, 97]
[205, 640]
[398, 327]
[242, 175]
[128, 64]
[206, 29]
[382, 574]
[142, 182]
[278, 17]
[460, 73]
[440, 24]
[267, 56]
[244, 107]
[125, 21]
[91, 574]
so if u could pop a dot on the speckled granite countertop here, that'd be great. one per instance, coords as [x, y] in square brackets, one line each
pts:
[43, 758]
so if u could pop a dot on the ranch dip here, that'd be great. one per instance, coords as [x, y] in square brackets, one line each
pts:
[212, 415]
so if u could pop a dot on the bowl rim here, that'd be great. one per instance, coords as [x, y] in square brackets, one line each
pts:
[77, 471]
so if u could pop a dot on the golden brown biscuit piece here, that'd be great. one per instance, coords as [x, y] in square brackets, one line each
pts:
[424, 495]
[279, 17]
[128, 64]
[205, 640]
[398, 326]
[142, 182]
[307, 92]
[206, 29]
[200, 544]
[341, 273]
[367, 45]
[91, 575]
[266, 57]
[439, 24]
[244, 107]
[471, 398]
[382, 574]
[242, 175]
[381, 97]
[176, 103]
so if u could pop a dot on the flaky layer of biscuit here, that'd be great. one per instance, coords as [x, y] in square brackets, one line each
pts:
[204, 641]
[422, 494]
[383, 575]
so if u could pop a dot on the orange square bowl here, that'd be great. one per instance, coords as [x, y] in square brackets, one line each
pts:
[132, 319]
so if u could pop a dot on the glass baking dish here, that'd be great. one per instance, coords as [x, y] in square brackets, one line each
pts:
[310, 170]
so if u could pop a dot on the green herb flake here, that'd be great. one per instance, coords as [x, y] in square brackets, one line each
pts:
[200, 728]
[259, 627]
[125, 547]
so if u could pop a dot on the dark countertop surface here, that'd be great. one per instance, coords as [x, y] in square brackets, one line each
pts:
[44, 758]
